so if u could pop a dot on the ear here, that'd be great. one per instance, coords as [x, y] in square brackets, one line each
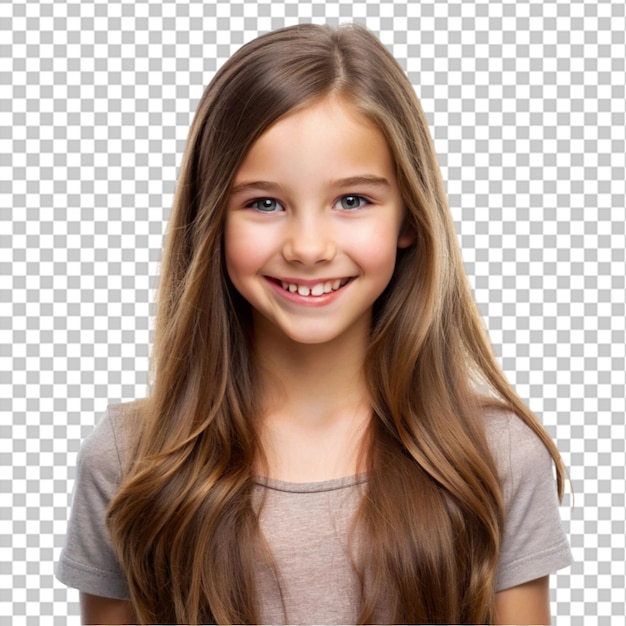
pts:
[407, 237]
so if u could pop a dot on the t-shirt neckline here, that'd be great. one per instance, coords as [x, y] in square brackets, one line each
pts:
[311, 487]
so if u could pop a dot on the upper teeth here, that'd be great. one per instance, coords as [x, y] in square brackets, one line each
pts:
[317, 290]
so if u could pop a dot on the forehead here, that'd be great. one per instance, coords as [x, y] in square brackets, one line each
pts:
[327, 138]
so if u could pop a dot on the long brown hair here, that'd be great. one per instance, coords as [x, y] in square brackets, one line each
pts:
[182, 522]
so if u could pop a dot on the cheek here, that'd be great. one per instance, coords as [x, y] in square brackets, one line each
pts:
[234, 250]
[244, 250]
[375, 249]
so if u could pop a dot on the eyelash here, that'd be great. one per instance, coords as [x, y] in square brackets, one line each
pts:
[254, 203]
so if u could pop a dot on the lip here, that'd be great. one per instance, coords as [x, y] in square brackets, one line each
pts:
[310, 301]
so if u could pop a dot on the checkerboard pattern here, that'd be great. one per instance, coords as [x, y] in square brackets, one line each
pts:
[526, 102]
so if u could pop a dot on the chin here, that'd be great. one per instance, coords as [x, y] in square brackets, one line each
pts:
[310, 339]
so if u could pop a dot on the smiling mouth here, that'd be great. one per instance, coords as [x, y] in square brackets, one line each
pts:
[316, 290]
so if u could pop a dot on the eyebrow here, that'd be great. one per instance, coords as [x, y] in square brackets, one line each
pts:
[262, 185]
[367, 179]
[351, 181]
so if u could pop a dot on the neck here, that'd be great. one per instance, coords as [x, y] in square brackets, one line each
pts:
[312, 382]
[315, 407]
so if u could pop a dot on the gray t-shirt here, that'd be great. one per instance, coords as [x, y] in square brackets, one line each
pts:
[306, 526]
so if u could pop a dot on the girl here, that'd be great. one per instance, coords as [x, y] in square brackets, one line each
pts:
[328, 437]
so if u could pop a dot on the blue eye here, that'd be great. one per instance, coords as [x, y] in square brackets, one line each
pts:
[266, 205]
[352, 202]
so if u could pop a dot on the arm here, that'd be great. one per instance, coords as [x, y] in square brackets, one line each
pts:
[99, 610]
[528, 603]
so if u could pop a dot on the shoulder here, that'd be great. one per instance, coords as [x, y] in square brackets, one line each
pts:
[107, 449]
[533, 542]
[506, 429]
[521, 457]
[88, 561]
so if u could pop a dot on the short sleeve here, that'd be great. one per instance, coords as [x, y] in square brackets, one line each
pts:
[87, 560]
[533, 543]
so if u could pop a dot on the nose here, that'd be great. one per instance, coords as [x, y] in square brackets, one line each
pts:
[309, 240]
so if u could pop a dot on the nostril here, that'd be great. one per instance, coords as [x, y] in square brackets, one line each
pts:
[308, 248]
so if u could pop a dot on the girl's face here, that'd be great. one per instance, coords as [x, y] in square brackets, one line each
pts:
[314, 222]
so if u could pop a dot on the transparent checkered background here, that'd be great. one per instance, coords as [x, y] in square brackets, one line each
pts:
[526, 105]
